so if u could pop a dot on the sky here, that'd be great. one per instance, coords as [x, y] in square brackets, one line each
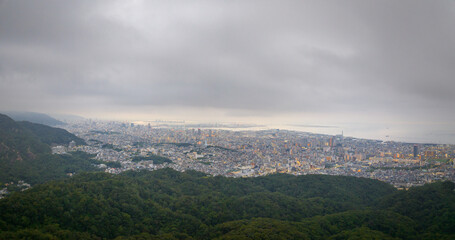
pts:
[373, 69]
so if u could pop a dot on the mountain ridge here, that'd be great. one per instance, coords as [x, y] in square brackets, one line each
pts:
[25, 152]
[166, 204]
[34, 117]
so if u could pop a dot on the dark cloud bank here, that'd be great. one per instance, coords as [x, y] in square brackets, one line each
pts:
[361, 65]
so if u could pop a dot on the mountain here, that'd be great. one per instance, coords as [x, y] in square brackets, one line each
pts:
[51, 135]
[33, 117]
[432, 206]
[17, 143]
[166, 204]
[25, 153]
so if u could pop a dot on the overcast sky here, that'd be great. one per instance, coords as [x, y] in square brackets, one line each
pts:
[377, 69]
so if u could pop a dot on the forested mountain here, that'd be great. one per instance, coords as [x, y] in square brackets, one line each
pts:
[432, 206]
[17, 143]
[33, 117]
[51, 135]
[166, 204]
[25, 153]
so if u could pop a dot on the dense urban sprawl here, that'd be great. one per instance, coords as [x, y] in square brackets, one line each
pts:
[255, 153]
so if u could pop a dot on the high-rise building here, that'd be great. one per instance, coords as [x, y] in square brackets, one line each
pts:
[416, 151]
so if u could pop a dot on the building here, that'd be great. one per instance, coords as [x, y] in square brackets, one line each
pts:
[416, 151]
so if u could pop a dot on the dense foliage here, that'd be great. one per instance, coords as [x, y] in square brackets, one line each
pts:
[166, 204]
[432, 206]
[25, 153]
[111, 146]
[51, 135]
[157, 159]
[46, 167]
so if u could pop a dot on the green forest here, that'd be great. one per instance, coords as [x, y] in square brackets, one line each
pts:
[157, 159]
[25, 153]
[166, 204]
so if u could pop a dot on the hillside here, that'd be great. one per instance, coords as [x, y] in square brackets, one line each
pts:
[25, 153]
[18, 143]
[166, 204]
[432, 206]
[33, 117]
[51, 135]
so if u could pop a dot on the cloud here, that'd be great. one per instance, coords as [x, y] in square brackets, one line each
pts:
[361, 59]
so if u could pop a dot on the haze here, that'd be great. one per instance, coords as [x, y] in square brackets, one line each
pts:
[373, 69]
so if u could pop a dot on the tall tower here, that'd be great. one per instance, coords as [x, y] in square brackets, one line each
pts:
[416, 151]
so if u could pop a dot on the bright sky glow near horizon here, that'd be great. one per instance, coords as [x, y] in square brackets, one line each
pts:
[373, 69]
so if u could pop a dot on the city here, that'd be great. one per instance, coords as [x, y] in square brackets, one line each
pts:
[227, 119]
[248, 153]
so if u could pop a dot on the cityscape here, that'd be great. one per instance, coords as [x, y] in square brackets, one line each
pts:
[251, 153]
[227, 119]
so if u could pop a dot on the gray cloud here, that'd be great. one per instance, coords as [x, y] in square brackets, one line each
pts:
[379, 61]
